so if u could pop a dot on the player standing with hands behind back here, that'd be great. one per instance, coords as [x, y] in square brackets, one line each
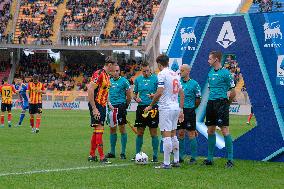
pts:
[217, 111]
[171, 111]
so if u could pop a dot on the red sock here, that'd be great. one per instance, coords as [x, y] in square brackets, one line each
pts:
[32, 122]
[38, 122]
[9, 116]
[249, 117]
[99, 142]
[93, 145]
[2, 119]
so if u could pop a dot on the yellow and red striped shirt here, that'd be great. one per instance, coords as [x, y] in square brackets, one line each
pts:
[101, 79]
[7, 91]
[35, 96]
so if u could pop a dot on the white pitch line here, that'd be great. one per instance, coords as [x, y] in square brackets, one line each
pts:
[64, 169]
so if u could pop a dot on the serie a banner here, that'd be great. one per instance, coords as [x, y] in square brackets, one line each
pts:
[257, 42]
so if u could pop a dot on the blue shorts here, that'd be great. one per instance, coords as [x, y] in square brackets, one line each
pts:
[25, 105]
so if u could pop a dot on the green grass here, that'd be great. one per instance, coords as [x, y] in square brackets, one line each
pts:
[63, 142]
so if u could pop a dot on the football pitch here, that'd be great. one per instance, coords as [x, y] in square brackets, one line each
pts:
[57, 158]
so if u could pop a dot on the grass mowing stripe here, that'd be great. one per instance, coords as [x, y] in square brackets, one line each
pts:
[64, 169]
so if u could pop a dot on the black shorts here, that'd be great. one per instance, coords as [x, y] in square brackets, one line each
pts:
[121, 113]
[189, 122]
[35, 108]
[6, 107]
[102, 110]
[152, 120]
[217, 113]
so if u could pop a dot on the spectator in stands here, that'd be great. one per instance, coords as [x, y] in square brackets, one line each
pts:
[130, 20]
[5, 16]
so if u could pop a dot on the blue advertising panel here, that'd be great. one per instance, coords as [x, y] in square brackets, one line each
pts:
[257, 42]
[186, 38]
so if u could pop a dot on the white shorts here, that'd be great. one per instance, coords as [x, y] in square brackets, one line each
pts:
[168, 119]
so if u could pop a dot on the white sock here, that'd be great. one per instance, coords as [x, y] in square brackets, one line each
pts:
[168, 147]
[175, 143]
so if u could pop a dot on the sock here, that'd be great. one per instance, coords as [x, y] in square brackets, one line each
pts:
[175, 144]
[123, 142]
[155, 145]
[139, 143]
[93, 145]
[168, 148]
[193, 147]
[32, 122]
[113, 139]
[2, 120]
[249, 117]
[99, 142]
[229, 146]
[22, 118]
[181, 148]
[9, 118]
[211, 146]
[161, 145]
[38, 122]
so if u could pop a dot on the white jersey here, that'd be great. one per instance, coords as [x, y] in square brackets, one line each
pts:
[170, 81]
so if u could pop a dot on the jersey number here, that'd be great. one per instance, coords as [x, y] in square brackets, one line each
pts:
[175, 86]
[7, 93]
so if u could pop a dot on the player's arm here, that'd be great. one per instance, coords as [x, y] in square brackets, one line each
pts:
[181, 105]
[232, 95]
[157, 96]
[128, 93]
[28, 90]
[135, 92]
[14, 90]
[231, 84]
[42, 90]
[128, 97]
[91, 96]
[160, 90]
[197, 95]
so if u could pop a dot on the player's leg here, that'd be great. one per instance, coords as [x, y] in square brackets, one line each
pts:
[25, 106]
[174, 114]
[9, 110]
[165, 127]
[228, 145]
[113, 139]
[38, 116]
[93, 147]
[123, 141]
[153, 123]
[32, 111]
[223, 122]
[155, 143]
[139, 139]
[122, 112]
[140, 123]
[181, 134]
[99, 130]
[3, 109]
[211, 128]
[192, 133]
[250, 116]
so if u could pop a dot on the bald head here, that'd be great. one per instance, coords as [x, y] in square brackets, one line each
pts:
[185, 70]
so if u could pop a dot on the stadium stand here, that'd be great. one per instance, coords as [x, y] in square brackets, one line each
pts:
[5, 17]
[86, 17]
[35, 22]
[266, 6]
[131, 22]
[5, 65]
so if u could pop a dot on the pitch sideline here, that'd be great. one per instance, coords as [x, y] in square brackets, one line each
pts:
[64, 169]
